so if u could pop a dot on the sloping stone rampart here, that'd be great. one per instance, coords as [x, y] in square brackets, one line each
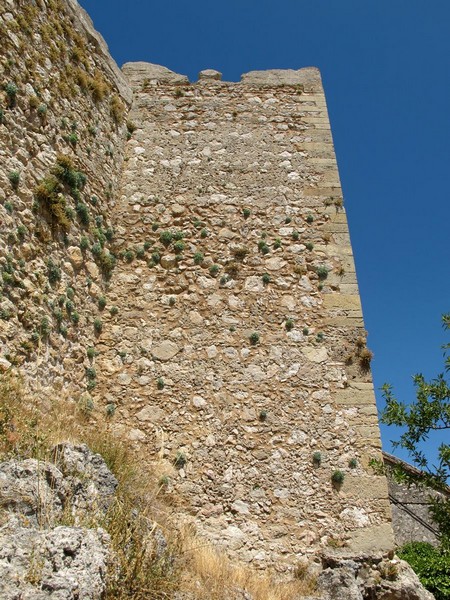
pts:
[61, 94]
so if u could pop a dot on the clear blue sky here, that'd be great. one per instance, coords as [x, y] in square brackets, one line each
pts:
[386, 71]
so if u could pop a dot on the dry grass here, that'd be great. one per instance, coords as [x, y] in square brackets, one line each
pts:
[209, 575]
[154, 558]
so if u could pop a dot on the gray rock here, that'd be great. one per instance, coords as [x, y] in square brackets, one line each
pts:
[137, 72]
[32, 490]
[210, 74]
[65, 563]
[92, 485]
[165, 351]
[309, 77]
[369, 577]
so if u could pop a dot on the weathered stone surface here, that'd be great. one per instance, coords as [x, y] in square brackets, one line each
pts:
[92, 483]
[364, 577]
[33, 490]
[65, 563]
[198, 354]
[75, 256]
[83, 23]
[308, 76]
[138, 72]
[210, 74]
[165, 351]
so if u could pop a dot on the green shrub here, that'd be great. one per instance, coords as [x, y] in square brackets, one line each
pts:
[91, 373]
[83, 213]
[198, 258]
[140, 252]
[309, 219]
[317, 458]
[246, 212]
[69, 306]
[128, 255]
[160, 383]
[96, 249]
[8, 207]
[432, 565]
[75, 317]
[266, 278]
[21, 231]
[295, 236]
[90, 352]
[254, 338]
[72, 138]
[277, 243]
[14, 179]
[156, 258]
[42, 110]
[11, 93]
[44, 328]
[180, 460]
[50, 199]
[179, 246]
[155, 226]
[353, 463]
[166, 238]
[338, 477]
[289, 324]
[262, 415]
[84, 243]
[214, 269]
[309, 246]
[204, 233]
[98, 325]
[263, 247]
[110, 409]
[102, 302]
[322, 272]
[53, 272]
[113, 310]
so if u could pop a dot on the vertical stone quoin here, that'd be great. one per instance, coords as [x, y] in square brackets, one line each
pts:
[238, 358]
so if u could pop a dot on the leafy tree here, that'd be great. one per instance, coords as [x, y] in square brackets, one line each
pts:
[422, 419]
[432, 566]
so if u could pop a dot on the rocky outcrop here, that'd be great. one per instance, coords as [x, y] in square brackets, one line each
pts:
[39, 560]
[64, 563]
[369, 578]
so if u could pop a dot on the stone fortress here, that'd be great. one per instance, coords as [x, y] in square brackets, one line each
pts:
[176, 256]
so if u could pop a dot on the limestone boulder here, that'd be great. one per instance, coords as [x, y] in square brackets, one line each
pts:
[65, 563]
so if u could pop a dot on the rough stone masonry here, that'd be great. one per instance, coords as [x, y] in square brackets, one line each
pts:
[240, 354]
[228, 341]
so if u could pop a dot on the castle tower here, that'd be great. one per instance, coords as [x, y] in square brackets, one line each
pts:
[239, 359]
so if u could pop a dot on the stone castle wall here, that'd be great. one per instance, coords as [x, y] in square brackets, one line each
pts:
[411, 518]
[60, 94]
[228, 341]
[240, 352]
